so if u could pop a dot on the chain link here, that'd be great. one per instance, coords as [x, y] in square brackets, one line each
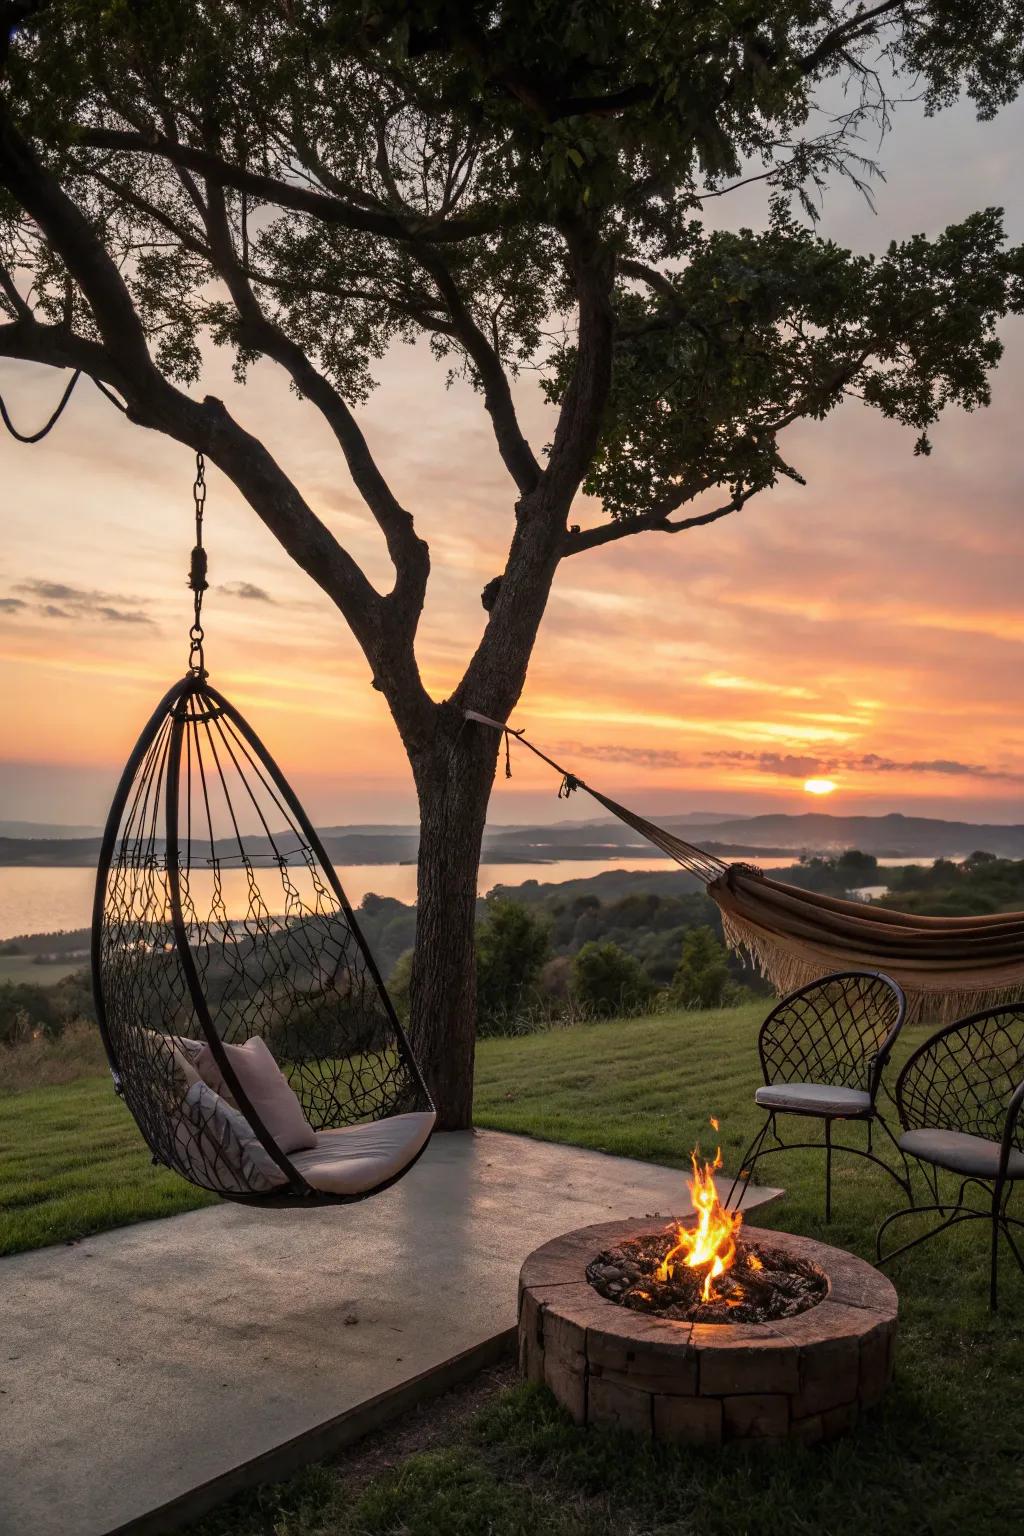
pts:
[197, 573]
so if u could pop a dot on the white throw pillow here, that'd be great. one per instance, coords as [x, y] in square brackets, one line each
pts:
[217, 1146]
[266, 1088]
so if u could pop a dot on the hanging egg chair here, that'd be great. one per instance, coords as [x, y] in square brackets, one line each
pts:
[247, 1027]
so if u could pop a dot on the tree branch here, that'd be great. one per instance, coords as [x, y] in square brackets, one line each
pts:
[495, 676]
[579, 420]
[284, 194]
[862, 23]
[122, 359]
[408, 551]
[579, 539]
[515, 451]
[512, 445]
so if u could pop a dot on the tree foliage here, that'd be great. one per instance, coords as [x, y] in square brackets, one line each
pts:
[608, 980]
[702, 974]
[512, 944]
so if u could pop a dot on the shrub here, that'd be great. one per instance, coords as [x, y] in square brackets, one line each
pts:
[702, 975]
[27, 1010]
[512, 944]
[46, 1061]
[398, 984]
[607, 980]
[556, 978]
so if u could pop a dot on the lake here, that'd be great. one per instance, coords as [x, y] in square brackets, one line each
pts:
[45, 900]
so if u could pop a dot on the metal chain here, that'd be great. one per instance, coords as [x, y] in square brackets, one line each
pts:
[197, 573]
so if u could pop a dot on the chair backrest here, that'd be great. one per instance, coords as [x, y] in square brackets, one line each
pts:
[969, 1077]
[838, 1030]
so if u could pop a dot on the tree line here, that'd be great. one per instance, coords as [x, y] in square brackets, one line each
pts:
[550, 951]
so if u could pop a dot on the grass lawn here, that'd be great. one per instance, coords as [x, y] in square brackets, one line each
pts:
[72, 1163]
[19, 968]
[942, 1457]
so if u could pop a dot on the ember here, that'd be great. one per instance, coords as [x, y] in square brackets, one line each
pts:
[702, 1273]
[762, 1283]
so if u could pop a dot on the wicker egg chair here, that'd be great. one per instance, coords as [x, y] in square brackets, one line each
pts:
[247, 1027]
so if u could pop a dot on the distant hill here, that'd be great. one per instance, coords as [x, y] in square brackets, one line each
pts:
[51, 851]
[892, 836]
[34, 829]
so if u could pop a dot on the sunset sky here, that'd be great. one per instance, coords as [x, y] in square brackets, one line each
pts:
[867, 629]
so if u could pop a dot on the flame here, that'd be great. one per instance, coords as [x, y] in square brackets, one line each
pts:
[713, 1240]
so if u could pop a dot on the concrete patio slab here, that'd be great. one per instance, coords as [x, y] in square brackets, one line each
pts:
[147, 1373]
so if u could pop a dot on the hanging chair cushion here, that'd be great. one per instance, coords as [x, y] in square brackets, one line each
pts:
[216, 1147]
[267, 1090]
[175, 1055]
[177, 1069]
[359, 1158]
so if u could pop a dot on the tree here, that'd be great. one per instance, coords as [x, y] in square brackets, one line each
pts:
[702, 974]
[855, 868]
[522, 184]
[26, 1010]
[608, 980]
[512, 944]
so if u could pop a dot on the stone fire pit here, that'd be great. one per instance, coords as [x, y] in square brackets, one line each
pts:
[805, 1377]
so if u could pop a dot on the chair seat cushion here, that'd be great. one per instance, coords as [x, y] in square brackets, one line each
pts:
[814, 1099]
[960, 1152]
[358, 1158]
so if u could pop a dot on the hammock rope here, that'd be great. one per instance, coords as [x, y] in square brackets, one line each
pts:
[52, 420]
[706, 866]
[947, 966]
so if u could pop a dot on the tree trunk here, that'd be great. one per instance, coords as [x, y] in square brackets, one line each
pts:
[453, 781]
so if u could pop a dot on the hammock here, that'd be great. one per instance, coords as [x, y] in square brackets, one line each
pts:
[947, 966]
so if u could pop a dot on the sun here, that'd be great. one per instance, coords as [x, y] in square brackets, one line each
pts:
[819, 786]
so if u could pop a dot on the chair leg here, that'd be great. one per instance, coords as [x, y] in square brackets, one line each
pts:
[958, 1215]
[997, 1211]
[906, 1182]
[955, 1211]
[747, 1163]
[828, 1171]
[1010, 1239]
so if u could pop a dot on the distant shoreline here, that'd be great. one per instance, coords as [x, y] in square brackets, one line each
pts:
[506, 854]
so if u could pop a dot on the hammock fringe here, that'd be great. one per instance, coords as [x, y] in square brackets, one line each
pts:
[788, 969]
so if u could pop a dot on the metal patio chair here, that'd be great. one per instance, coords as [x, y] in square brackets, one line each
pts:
[822, 1052]
[959, 1099]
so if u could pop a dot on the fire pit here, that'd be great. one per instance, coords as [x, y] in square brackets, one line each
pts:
[697, 1332]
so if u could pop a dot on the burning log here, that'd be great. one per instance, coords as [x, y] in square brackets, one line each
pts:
[703, 1273]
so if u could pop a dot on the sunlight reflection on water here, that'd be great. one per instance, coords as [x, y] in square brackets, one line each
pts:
[45, 900]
